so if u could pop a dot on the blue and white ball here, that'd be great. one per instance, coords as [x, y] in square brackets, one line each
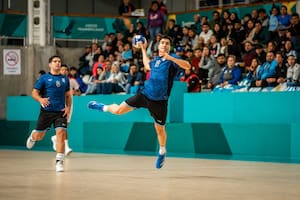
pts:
[138, 38]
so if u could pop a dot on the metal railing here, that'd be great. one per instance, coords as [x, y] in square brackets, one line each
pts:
[14, 41]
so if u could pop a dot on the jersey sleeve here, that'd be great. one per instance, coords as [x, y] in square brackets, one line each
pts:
[40, 83]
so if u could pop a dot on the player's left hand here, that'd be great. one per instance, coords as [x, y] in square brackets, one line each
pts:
[66, 111]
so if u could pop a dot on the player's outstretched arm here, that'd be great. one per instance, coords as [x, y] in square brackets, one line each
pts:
[180, 62]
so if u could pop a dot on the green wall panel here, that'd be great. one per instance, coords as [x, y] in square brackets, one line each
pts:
[180, 138]
[210, 139]
[258, 139]
[100, 136]
[142, 138]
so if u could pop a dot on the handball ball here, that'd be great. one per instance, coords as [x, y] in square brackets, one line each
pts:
[136, 39]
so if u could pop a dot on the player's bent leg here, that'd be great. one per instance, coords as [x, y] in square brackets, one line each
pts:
[119, 109]
[33, 137]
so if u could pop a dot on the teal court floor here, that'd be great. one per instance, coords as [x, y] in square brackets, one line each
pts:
[30, 175]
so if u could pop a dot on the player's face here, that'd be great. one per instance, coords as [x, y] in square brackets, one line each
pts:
[164, 45]
[55, 65]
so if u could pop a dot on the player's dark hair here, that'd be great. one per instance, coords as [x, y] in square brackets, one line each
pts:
[52, 57]
[166, 37]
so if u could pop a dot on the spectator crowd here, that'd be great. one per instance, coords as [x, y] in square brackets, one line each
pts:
[254, 52]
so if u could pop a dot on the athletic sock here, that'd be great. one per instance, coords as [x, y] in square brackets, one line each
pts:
[105, 108]
[162, 150]
[66, 144]
[60, 157]
[31, 135]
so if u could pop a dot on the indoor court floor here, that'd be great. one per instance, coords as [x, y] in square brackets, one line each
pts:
[30, 175]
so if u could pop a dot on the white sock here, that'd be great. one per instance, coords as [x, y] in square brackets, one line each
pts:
[31, 135]
[67, 144]
[60, 156]
[162, 150]
[105, 108]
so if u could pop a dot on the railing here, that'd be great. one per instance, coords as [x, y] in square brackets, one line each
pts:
[62, 42]
[15, 41]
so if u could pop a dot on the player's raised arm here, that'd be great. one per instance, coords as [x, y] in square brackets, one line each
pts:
[146, 59]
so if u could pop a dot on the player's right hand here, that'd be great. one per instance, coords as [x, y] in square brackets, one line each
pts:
[45, 102]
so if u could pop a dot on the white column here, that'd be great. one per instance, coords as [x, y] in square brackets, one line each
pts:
[30, 23]
[43, 21]
[298, 6]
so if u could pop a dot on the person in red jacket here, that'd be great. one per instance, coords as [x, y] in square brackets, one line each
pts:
[192, 80]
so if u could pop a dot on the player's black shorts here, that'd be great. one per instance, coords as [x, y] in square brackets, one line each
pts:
[157, 109]
[46, 119]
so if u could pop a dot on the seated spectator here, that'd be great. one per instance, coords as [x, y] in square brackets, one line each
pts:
[127, 52]
[261, 34]
[196, 60]
[260, 53]
[263, 17]
[115, 83]
[295, 31]
[215, 71]
[249, 54]
[100, 63]
[134, 80]
[197, 23]
[206, 32]
[284, 18]
[206, 64]
[289, 49]
[193, 38]
[74, 84]
[281, 68]
[192, 80]
[231, 74]
[214, 46]
[273, 22]
[293, 72]
[251, 75]
[94, 80]
[266, 74]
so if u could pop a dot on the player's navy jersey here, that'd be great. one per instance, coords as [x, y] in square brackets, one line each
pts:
[54, 87]
[160, 83]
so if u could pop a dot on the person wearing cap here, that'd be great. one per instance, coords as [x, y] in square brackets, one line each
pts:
[179, 51]
[293, 71]
[289, 49]
[260, 53]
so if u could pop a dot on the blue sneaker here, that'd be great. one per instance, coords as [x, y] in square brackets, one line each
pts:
[160, 161]
[95, 106]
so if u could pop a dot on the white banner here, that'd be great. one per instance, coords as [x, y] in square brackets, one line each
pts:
[11, 61]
